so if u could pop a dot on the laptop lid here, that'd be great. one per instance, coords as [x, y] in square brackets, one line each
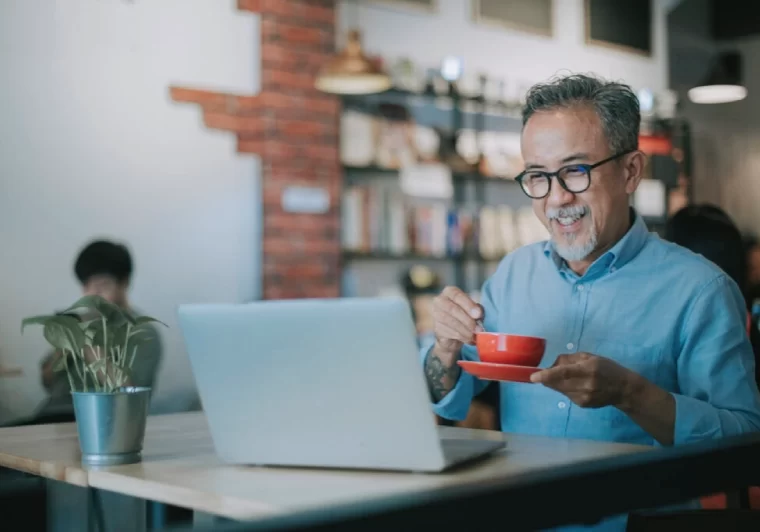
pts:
[315, 382]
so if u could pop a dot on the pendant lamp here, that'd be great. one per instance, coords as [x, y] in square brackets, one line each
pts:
[724, 83]
[351, 72]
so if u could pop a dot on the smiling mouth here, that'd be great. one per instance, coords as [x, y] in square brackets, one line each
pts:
[569, 224]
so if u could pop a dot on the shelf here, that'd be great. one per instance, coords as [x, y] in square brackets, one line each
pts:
[395, 93]
[383, 255]
[469, 177]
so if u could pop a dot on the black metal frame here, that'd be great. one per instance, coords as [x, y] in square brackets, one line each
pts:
[582, 493]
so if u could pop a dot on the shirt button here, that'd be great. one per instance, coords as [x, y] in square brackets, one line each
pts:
[580, 288]
[570, 345]
[562, 405]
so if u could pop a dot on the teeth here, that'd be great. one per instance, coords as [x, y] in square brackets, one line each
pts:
[568, 220]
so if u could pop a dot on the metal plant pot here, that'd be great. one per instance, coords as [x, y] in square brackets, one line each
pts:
[111, 426]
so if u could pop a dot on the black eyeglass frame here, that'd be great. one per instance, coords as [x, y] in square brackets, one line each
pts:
[586, 168]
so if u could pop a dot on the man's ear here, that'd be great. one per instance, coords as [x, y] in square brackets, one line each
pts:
[634, 170]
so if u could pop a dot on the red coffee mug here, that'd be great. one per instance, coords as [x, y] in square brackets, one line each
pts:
[514, 349]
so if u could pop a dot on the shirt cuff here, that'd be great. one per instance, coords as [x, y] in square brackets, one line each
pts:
[695, 420]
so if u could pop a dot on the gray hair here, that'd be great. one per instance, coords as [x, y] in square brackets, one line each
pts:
[615, 103]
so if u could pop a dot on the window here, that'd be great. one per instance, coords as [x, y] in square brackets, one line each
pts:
[533, 16]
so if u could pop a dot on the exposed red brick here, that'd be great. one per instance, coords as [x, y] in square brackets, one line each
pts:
[283, 55]
[294, 129]
[292, 80]
[294, 246]
[240, 124]
[302, 127]
[251, 5]
[320, 13]
[297, 222]
[301, 35]
[201, 97]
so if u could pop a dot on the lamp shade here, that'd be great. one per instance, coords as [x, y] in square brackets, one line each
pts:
[351, 72]
[724, 82]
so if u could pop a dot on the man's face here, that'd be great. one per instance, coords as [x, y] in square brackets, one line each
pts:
[106, 287]
[579, 224]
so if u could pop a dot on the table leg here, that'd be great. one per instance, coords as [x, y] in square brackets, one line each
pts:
[76, 509]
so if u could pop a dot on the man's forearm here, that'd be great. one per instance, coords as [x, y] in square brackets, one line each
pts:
[652, 408]
[442, 373]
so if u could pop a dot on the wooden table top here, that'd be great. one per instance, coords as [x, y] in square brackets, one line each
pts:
[180, 467]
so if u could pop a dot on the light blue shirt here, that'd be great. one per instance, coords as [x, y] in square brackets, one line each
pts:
[656, 308]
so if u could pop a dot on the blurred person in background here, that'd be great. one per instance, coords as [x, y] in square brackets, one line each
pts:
[103, 268]
[752, 252]
[709, 231]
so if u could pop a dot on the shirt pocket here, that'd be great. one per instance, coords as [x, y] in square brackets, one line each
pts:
[647, 360]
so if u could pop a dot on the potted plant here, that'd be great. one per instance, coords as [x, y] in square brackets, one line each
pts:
[98, 342]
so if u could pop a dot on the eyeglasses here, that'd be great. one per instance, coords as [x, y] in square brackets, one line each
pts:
[575, 178]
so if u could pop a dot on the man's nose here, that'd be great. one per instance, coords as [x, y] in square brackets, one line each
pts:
[558, 196]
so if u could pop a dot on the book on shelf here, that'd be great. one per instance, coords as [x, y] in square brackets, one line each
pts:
[380, 220]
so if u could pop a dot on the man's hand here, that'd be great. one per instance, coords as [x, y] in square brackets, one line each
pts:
[587, 380]
[593, 381]
[455, 318]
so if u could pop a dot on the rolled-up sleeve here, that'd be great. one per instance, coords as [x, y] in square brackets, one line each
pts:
[718, 394]
[456, 403]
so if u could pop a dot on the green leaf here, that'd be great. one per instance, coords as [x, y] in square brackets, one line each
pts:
[142, 320]
[60, 363]
[36, 320]
[110, 311]
[63, 332]
[86, 325]
[118, 335]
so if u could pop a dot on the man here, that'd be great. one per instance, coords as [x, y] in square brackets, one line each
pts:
[646, 342]
[105, 269]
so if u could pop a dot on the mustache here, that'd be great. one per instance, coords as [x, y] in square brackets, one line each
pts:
[553, 213]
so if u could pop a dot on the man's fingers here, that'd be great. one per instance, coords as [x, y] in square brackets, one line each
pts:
[562, 375]
[569, 358]
[448, 308]
[445, 332]
[472, 309]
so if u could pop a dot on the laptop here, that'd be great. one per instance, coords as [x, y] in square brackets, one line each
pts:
[334, 383]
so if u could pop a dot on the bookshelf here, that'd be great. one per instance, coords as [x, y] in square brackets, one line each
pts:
[449, 234]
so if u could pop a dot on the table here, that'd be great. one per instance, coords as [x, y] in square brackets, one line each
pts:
[180, 467]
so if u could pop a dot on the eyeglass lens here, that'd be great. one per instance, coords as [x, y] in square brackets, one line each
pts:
[536, 184]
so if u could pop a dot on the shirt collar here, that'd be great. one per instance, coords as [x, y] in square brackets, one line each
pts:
[618, 255]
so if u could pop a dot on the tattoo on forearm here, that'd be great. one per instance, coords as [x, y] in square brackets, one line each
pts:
[440, 377]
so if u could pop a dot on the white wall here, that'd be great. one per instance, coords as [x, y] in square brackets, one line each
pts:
[519, 58]
[726, 141]
[91, 146]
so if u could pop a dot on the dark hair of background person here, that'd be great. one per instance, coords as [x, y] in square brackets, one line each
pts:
[102, 257]
[707, 229]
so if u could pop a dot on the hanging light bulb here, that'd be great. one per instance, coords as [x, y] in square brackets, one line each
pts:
[724, 83]
[351, 72]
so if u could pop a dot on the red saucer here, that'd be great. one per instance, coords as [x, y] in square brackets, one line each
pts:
[498, 372]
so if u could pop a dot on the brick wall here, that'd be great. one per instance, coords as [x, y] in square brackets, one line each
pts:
[294, 128]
